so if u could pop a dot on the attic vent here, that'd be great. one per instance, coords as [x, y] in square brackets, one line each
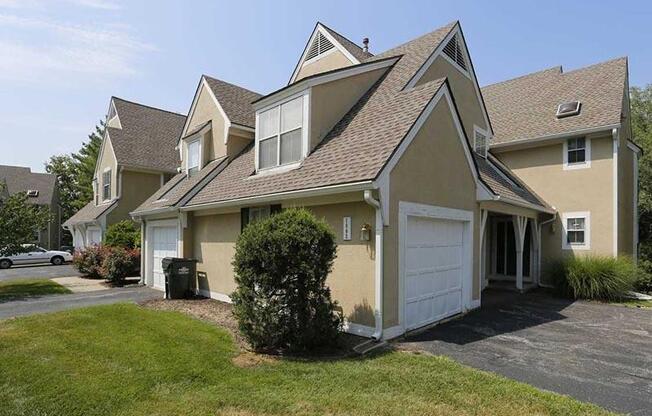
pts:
[112, 112]
[571, 108]
[320, 45]
[32, 193]
[453, 50]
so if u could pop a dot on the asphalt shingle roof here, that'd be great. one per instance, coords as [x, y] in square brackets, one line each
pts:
[355, 50]
[235, 101]
[371, 131]
[90, 212]
[525, 107]
[147, 138]
[21, 179]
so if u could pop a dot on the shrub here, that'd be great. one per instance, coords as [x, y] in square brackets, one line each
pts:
[120, 263]
[644, 281]
[594, 277]
[282, 301]
[123, 234]
[89, 260]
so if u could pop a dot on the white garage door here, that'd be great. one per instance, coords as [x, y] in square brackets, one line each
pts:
[163, 243]
[434, 270]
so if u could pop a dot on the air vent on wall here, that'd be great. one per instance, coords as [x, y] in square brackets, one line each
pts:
[320, 45]
[453, 50]
[571, 108]
[32, 193]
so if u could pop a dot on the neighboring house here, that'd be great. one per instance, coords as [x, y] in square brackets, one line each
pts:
[582, 161]
[41, 189]
[136, 158]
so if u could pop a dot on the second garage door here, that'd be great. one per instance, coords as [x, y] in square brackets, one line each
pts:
[434, 270]
[163, 244]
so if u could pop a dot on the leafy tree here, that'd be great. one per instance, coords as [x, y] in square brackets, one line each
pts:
[18, 222]
[641, 118]
[85, 161]
[123, 234]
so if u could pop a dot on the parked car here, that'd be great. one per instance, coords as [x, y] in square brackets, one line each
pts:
[69, 249]
[35, 254]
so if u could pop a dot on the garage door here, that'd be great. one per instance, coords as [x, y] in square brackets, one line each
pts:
[163, 243]
[434, 270]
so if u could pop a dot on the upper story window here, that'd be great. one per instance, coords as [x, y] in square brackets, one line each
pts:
[577, 153]
[280, 134]
[480, 141]
[106, 185]
[194, 156]
[576, 230]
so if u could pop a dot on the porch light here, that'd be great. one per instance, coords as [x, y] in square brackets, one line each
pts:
[365, 232]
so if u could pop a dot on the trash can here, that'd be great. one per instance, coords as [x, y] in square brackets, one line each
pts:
[179, 277]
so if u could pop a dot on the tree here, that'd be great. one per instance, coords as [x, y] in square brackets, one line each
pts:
[63, 167]
[85, 161]
[123, 234]
[641, 118]
[18, 221]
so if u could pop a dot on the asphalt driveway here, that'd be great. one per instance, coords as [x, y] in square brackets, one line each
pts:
[594, 352]
[38, 271]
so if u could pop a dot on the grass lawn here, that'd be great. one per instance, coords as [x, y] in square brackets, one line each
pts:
[127, 360]
[635, 303]
[18, 289]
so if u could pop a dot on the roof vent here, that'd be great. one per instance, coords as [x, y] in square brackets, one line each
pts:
[453, 50]
[365, 42]
[32, 193]
[319, 46]
[571, 108]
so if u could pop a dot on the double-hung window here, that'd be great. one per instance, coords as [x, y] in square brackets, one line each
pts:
[577, 153]
[106, 185]
[280, 134]
[194, 151]
[576, 230]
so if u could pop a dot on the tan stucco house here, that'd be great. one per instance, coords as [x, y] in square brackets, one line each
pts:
[136, 158]
[430, 199]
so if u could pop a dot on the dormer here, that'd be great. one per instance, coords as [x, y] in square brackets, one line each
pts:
[220, 123]
[292, 121]
[327, 50]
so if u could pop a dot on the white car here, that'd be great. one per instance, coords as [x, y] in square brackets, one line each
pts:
[35, 254]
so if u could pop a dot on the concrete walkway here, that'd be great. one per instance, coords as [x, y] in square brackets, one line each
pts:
[54, 303]
[80, 285]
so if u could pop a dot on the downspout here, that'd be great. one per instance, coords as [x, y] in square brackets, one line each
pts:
[540, 227]
[378, 302]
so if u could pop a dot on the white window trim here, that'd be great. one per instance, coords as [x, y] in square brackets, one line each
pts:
[104, 184]
[485, 133]
[587, 155]
[587, 230]
[305, 132]
[201, 152]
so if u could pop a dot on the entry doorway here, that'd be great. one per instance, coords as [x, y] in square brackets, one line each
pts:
[503, 250]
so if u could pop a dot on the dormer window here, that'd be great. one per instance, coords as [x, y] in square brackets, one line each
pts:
[280, 134]
[194, 152]
[481, 141]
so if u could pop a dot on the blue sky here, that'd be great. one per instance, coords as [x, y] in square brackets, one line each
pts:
[61, 60]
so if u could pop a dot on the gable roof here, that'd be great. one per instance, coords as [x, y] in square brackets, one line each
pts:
[89, 213]
[354, 49]
[21, 179]
[147, 138]
[525, 107]
[235, 101]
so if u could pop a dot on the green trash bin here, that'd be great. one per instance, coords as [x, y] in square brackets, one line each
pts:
[179, 277]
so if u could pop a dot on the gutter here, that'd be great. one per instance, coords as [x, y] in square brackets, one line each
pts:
[378, 332]
[567, 134]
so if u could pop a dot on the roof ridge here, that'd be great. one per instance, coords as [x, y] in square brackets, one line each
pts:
[232, 84]
[113, 97]
[540, 72]
[598, 64]
[449, 25]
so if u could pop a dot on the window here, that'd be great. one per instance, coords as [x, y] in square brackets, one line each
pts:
[577, 152]
[192, 162]
[258, 213]
[281, 135]
[480, 141]
[253, 214]
[576, 230]
[106, 185]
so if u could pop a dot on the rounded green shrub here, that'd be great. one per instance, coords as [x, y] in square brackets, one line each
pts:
[282, 301]
[594, 277]
[125, 234]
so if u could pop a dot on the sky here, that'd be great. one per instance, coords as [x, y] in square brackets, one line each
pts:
[62, 60]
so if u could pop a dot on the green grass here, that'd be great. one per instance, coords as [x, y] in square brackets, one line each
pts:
[126, 360]
[19, 289]
[634, 303]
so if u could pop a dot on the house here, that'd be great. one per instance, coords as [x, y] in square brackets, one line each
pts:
[393, 151]
[41, 189]
[136, 158]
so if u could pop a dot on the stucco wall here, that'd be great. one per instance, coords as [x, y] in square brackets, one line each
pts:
[434, 171]
[589, 189]
[352, 278]
[206, 110]
[333, 60]
[136, 188]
